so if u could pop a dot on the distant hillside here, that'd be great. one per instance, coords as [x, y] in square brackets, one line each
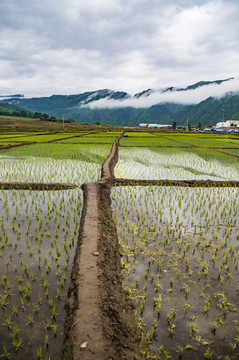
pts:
[209, 111]
[161, 113]
[10, 109]
[107, 107]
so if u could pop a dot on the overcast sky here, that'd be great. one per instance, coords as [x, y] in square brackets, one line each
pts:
[69, 47]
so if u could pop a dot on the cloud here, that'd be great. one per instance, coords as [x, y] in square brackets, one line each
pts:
[188, 97]
[52, 46]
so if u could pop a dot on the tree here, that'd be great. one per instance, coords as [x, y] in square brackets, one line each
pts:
[189, 126]
[200, 125]
[175, 125]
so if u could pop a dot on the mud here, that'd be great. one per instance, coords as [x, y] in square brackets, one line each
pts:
[3, 147]
[36, 186]
[100, 317]
[166, 182]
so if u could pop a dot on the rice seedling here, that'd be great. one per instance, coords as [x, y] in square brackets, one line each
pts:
[17, 344]
[8, 322]
[182, 250]
[6, 354]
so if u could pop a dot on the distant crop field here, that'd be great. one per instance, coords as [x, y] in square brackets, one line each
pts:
[147, 140]
[208, 141]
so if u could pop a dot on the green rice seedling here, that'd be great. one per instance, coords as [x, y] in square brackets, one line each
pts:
[148, 337]
[8, 322]
[15, 310]
[36, 307]
[30, 320]
[214, 327]
[39, 353]
[3, 300]
[54, 327]
[193, 330]
[46, 340]
[208, 354]
[6, 354]
[15, 331]
[171, 329]
[22, 303]
[157, 286]
[159, 308]
[180, 351]
[26, 268]
[58, 291]
[53, 312]
[185, 287]
[50, 303]
[21, 288]
[48, 268]
[48, 324]
[17, 344]
[187, 307]
[28, 293]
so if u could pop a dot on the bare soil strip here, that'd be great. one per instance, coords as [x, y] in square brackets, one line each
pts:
[100, 318]
[3, 147]
[83, 328]
[100, 321]
[36, 186]
[69, 137]
[185, 183]
[107, 170]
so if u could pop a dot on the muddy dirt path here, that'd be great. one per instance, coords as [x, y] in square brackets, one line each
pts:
[100, 319]
[184, 183]
[7, 147]
[36, 186]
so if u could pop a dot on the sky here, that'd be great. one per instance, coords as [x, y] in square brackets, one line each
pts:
[69, 47]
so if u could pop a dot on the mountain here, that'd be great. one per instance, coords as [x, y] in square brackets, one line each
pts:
[11, 109]
[210, 111]
[119, 108]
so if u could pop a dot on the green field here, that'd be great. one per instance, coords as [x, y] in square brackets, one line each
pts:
[212, 140]
[53, 163]
[179, 245]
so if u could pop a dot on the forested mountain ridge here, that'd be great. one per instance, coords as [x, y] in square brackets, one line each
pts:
[118, 108]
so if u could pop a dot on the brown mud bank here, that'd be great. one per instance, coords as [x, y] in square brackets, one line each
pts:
[166, 182]
[107, 171]
[100, 318]
[7, 147]
[36, 186]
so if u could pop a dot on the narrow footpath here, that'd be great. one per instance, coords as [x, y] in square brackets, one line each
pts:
[100, 318]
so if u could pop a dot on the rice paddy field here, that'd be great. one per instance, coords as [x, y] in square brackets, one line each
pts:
[179, 245]
[180, 257]
[53, 163]
[38, 236]
[176, 163]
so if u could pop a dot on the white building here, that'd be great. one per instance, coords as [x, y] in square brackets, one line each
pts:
[227, 123]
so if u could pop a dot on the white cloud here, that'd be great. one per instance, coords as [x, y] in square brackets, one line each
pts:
[181, 97]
